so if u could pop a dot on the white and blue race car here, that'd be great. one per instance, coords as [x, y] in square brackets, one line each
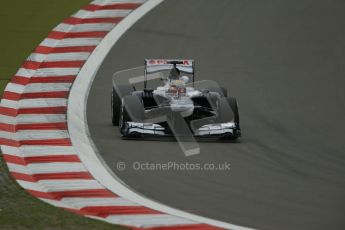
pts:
[178, 107]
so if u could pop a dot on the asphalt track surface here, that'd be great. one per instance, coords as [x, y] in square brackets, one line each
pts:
[284, 61]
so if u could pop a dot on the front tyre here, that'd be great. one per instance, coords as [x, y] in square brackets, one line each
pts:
[227, 112]
[115, 107]
[234, 106]
[116, 101]
[132, 109]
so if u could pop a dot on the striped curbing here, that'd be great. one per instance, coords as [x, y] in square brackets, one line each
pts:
[34, 135]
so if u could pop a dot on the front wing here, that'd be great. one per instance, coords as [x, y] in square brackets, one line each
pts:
[228, 130]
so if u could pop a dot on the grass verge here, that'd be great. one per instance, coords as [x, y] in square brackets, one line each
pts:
[23, 25]
[19, 210]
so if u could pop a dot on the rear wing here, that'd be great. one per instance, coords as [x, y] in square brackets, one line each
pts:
[157, 65]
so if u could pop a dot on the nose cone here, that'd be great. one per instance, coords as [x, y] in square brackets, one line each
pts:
[184, 105]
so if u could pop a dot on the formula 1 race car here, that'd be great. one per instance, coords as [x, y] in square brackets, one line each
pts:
[178, 107]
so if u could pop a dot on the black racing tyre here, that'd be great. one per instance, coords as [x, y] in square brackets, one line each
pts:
[132, 109]
[116, 102]
[224, 91]
[115, 107]
[226, 115]
[234, 106]
[228, 111]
